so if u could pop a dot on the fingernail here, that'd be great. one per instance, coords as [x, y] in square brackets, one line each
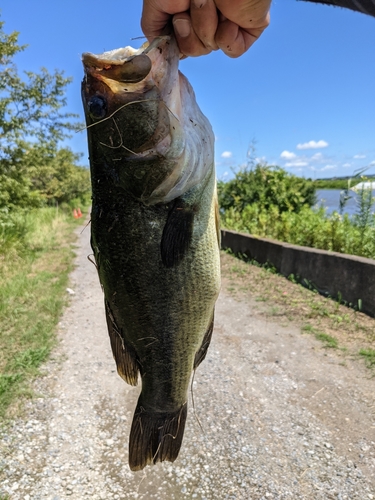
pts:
[182, 27]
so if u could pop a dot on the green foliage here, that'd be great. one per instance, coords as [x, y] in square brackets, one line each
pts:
[306, 228]
[364, 218]
[331, 183]
[56, 177]
[328, 340]
[267, 187]
[281, 210]
[369, 356]
[340, 183]
[33, 169]
[310, 227]
[34, 277]
[28, 231]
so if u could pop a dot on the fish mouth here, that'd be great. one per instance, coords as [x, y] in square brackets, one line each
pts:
[128, 70]
[120, 67]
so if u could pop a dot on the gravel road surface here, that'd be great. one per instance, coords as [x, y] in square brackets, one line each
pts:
[281, 417]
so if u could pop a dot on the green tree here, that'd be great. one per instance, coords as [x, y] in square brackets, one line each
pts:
[32, 124]
[266, 186]
[56, 177]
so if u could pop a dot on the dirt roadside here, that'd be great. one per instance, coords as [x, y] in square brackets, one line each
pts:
[282, 417]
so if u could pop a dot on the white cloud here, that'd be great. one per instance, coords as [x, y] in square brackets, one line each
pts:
[316, 157]
[313, 145]
[226, 154]
[372, 163]
[328, 167]
[359, 157]
[288, 155]
[346, 165]
[296, 164]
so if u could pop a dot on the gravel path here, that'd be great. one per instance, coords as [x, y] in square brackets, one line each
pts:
[282, 418]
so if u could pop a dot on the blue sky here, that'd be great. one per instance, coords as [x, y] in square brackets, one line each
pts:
[304, 94]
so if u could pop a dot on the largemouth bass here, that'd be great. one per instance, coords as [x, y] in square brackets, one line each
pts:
[154, 231]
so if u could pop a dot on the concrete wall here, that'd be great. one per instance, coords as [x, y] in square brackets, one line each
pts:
[330, 273]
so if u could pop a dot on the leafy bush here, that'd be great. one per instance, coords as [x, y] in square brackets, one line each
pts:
[309, 227]
[267, 186]
[57, 178]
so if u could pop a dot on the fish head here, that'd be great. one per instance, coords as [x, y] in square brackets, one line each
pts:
[142, 117]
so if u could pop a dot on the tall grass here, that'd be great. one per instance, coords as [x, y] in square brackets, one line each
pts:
[312, 228]
[27, 230]
[35, 260]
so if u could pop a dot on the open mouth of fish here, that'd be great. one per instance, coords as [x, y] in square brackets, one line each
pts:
[125, 65]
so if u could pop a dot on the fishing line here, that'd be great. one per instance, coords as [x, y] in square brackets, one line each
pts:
[124, 106]
[92, 261]
[141, 481]
[122, 142]
[89, 222]
[168, 433]
[117, 110]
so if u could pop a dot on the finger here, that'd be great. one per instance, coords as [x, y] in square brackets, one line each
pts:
[188, 41]
[154, 25]
[235, 41]
[157, 15]
[245, 13]
[204, 20]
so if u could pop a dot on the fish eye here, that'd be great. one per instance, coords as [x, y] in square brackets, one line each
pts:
[97, 106]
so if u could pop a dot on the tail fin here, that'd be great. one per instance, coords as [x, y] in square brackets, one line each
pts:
[155, 437]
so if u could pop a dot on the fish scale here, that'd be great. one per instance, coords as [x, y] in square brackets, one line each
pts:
[154, 233]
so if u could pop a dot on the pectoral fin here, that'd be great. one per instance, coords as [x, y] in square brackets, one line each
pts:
[177, 233]
[125, 357]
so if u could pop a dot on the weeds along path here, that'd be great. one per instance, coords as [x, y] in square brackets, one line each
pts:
[282, 417]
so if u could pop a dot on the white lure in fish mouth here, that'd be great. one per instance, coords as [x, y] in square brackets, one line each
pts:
[122, 68]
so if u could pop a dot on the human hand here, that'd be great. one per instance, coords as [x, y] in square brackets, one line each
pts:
[201, 26]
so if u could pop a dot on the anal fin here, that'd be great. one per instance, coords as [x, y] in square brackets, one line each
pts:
[201, 353]
[155, 437]
[126, 361]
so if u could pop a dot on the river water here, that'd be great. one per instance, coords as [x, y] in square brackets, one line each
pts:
[330, 199]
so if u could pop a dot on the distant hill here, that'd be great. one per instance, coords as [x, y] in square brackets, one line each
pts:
[339, 182]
